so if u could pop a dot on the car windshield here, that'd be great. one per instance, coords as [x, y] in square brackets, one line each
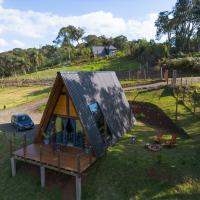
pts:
[23, 118]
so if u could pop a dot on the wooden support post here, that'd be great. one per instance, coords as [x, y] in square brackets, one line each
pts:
[13, 166]
[42, 176]
[78, 187]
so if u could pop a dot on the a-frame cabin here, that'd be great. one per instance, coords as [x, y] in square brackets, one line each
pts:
[86, 112]
[85, 109]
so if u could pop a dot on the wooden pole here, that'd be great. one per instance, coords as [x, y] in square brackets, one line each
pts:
[194, 101]
[161, 73]
[181, 81]
[176, 114]
[13, 166]
[42, 176]
[145, 75]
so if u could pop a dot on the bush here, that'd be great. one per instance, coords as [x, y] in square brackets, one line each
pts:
[184, 64]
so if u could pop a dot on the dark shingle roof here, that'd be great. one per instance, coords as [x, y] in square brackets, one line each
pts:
[96, 50]
[104, 88]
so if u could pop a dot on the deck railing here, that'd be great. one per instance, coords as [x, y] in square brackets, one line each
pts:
[60, 153]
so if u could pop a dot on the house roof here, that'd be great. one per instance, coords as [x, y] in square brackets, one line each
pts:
[100, 49]
[104, 88]
[111, 47]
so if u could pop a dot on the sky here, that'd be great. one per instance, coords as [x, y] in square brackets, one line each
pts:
[34, 23]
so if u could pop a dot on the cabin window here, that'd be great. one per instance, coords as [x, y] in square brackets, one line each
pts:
[100, 121]
[66, 131]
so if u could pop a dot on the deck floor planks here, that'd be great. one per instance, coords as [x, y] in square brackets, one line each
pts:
[68, 157]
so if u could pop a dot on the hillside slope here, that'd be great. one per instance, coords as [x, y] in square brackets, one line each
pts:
[111, 64]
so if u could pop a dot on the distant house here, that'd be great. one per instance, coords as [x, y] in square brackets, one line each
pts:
[104, 50]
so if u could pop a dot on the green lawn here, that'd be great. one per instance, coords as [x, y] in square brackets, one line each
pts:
[163, 98]
[116, 64]
[24, 185]
[14, 96]
[130, 172]
[132, 83]
[127, 172]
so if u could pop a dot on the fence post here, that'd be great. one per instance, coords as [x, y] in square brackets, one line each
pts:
[174, 78]
[145, 75]
[181, 81]
[176, 114]
[161, 73]
[194, 101]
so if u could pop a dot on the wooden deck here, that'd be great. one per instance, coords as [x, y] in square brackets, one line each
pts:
[68, 159]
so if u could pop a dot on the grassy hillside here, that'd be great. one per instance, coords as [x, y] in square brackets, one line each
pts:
[116, 64]
[127, 172]
[163, 98]
[14, 96]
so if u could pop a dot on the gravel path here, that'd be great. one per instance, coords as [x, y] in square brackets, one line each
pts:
[185, 81]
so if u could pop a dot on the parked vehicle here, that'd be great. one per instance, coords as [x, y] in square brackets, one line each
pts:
[22, 122]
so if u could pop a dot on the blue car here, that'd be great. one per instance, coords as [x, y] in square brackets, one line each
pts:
[22, 122]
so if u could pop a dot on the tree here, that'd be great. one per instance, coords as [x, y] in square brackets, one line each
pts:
[63, 40]
[92, 40]
[181, 24]
[164, 26]
[106, 41]
[120, 42]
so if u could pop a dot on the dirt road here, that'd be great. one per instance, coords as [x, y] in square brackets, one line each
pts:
[179, 81]
[30, 109]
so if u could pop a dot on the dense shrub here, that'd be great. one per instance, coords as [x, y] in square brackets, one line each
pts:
[185, 64]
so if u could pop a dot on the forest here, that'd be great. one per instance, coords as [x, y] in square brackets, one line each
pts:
[179, 28]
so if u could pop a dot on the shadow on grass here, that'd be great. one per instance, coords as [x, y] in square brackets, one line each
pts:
[39, 92]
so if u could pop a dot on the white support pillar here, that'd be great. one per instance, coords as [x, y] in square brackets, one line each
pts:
[78, 187]
[42, 176]
[13, 166]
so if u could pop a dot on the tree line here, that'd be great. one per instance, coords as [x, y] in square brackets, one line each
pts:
[71, 45]
[181, 27]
